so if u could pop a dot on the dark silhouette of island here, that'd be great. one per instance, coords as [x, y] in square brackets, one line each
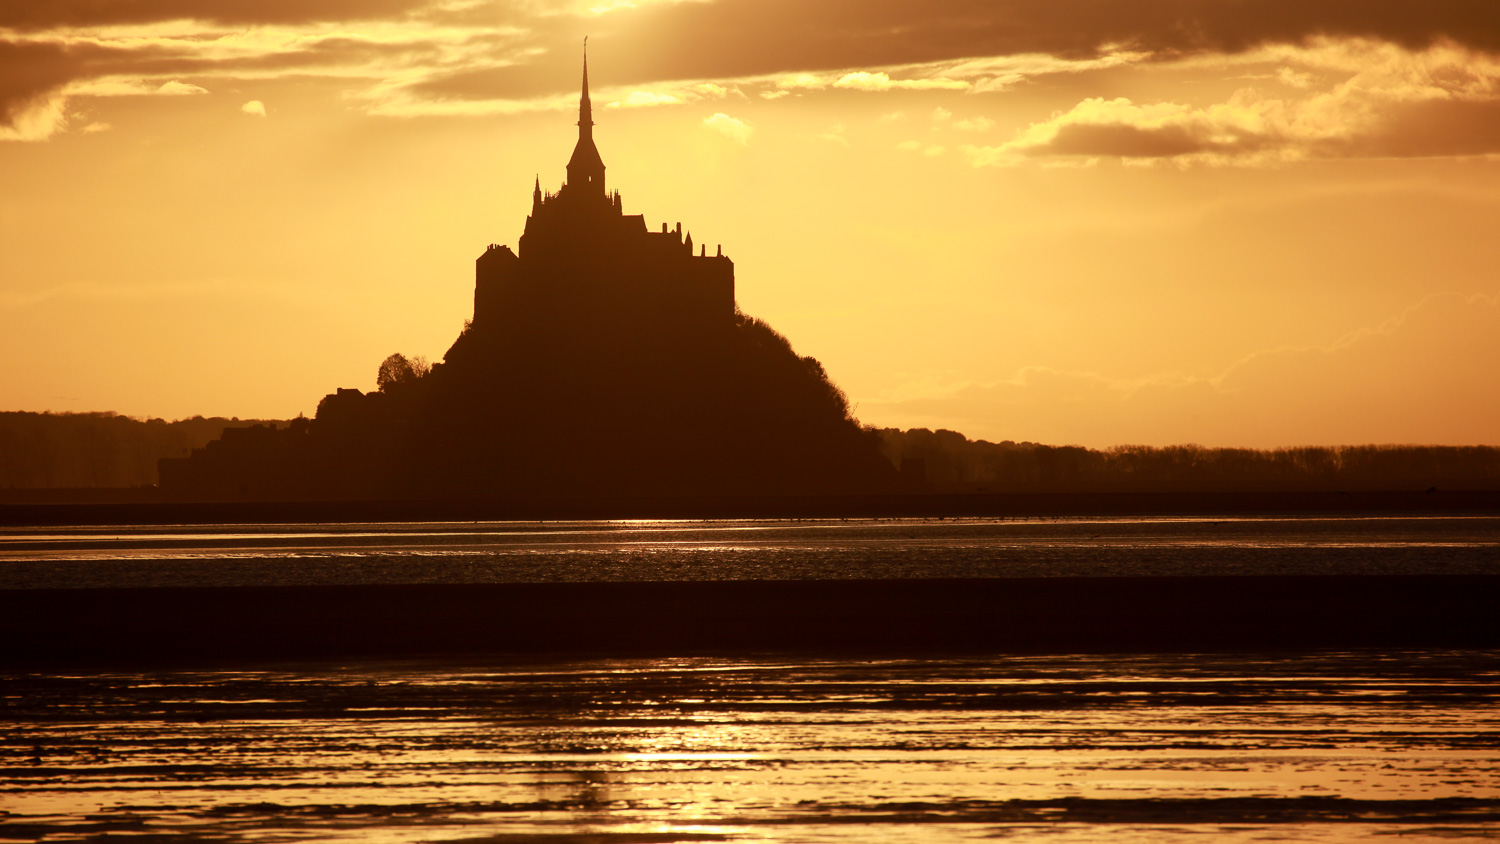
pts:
[604, 359]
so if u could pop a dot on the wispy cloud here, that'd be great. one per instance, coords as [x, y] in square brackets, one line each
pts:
[646, 99]
[880, 81]
[730, 127]
[926, 149]
[865, 80]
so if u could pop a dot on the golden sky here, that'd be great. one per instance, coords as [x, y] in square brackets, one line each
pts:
[1230, 222]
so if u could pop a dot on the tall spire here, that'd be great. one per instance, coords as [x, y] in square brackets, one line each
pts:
[585, 108]
[586, 168]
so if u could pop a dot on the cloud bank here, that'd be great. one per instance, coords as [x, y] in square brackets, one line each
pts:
[1389, 102]
[1345, 78]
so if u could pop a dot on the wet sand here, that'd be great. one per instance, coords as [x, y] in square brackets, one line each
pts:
[47, 627]
[634, 683]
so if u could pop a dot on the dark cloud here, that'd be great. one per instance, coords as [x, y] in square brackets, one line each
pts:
[1128, 141]
[1231, 26]
[1431, 128]
[309, 58]
[549, 74]
[29, 15]
[32, 73]
[524, 52]
[730, 38]
[1420, 128]
[736, 38]
[29, 72]
[749, 37]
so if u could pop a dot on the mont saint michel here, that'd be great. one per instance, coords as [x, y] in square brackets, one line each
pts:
[604, 358]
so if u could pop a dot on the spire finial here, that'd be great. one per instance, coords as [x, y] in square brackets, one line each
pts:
[585, 108]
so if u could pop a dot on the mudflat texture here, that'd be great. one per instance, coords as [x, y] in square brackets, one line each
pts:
[1329, 746]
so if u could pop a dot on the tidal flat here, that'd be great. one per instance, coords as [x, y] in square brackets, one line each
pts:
[1136, 679]
[1329, 746]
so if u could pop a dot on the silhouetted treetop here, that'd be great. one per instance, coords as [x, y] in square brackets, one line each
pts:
[397, 370]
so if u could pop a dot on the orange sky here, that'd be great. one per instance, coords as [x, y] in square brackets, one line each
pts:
[1258, 223]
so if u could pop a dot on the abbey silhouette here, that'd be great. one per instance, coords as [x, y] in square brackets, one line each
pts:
[604, 360]
[584, 265]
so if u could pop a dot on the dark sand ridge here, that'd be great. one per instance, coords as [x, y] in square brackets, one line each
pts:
[1019, 615]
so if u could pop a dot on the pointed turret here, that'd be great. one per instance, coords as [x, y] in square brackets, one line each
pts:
[536, 195]
[586, 168]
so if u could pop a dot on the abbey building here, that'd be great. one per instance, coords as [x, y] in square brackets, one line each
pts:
[584, 264]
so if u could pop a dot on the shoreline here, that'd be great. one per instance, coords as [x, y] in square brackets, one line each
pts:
[135, 507]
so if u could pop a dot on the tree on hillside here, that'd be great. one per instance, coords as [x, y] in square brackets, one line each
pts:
[397, 370]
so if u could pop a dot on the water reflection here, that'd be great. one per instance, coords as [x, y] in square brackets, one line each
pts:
[1314, 747]
[494, 552]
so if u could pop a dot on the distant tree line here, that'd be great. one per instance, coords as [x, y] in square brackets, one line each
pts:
[950, 462]
[104, 450]
[93, 450]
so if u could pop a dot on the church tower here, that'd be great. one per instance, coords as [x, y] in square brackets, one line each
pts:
[586, 168]
[587, 271]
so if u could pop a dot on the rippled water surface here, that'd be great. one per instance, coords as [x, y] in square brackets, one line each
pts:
[495, 552]
[1314, 747]
[1304, 747]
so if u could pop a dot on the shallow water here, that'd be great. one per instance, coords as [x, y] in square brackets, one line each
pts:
[1314, 747]
[1309, 747]
[497, 552]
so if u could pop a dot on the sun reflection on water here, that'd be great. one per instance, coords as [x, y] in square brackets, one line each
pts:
[763, 749]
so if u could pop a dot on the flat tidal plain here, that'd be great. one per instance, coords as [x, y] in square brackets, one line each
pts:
[1293, 744]
[1331, 746]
